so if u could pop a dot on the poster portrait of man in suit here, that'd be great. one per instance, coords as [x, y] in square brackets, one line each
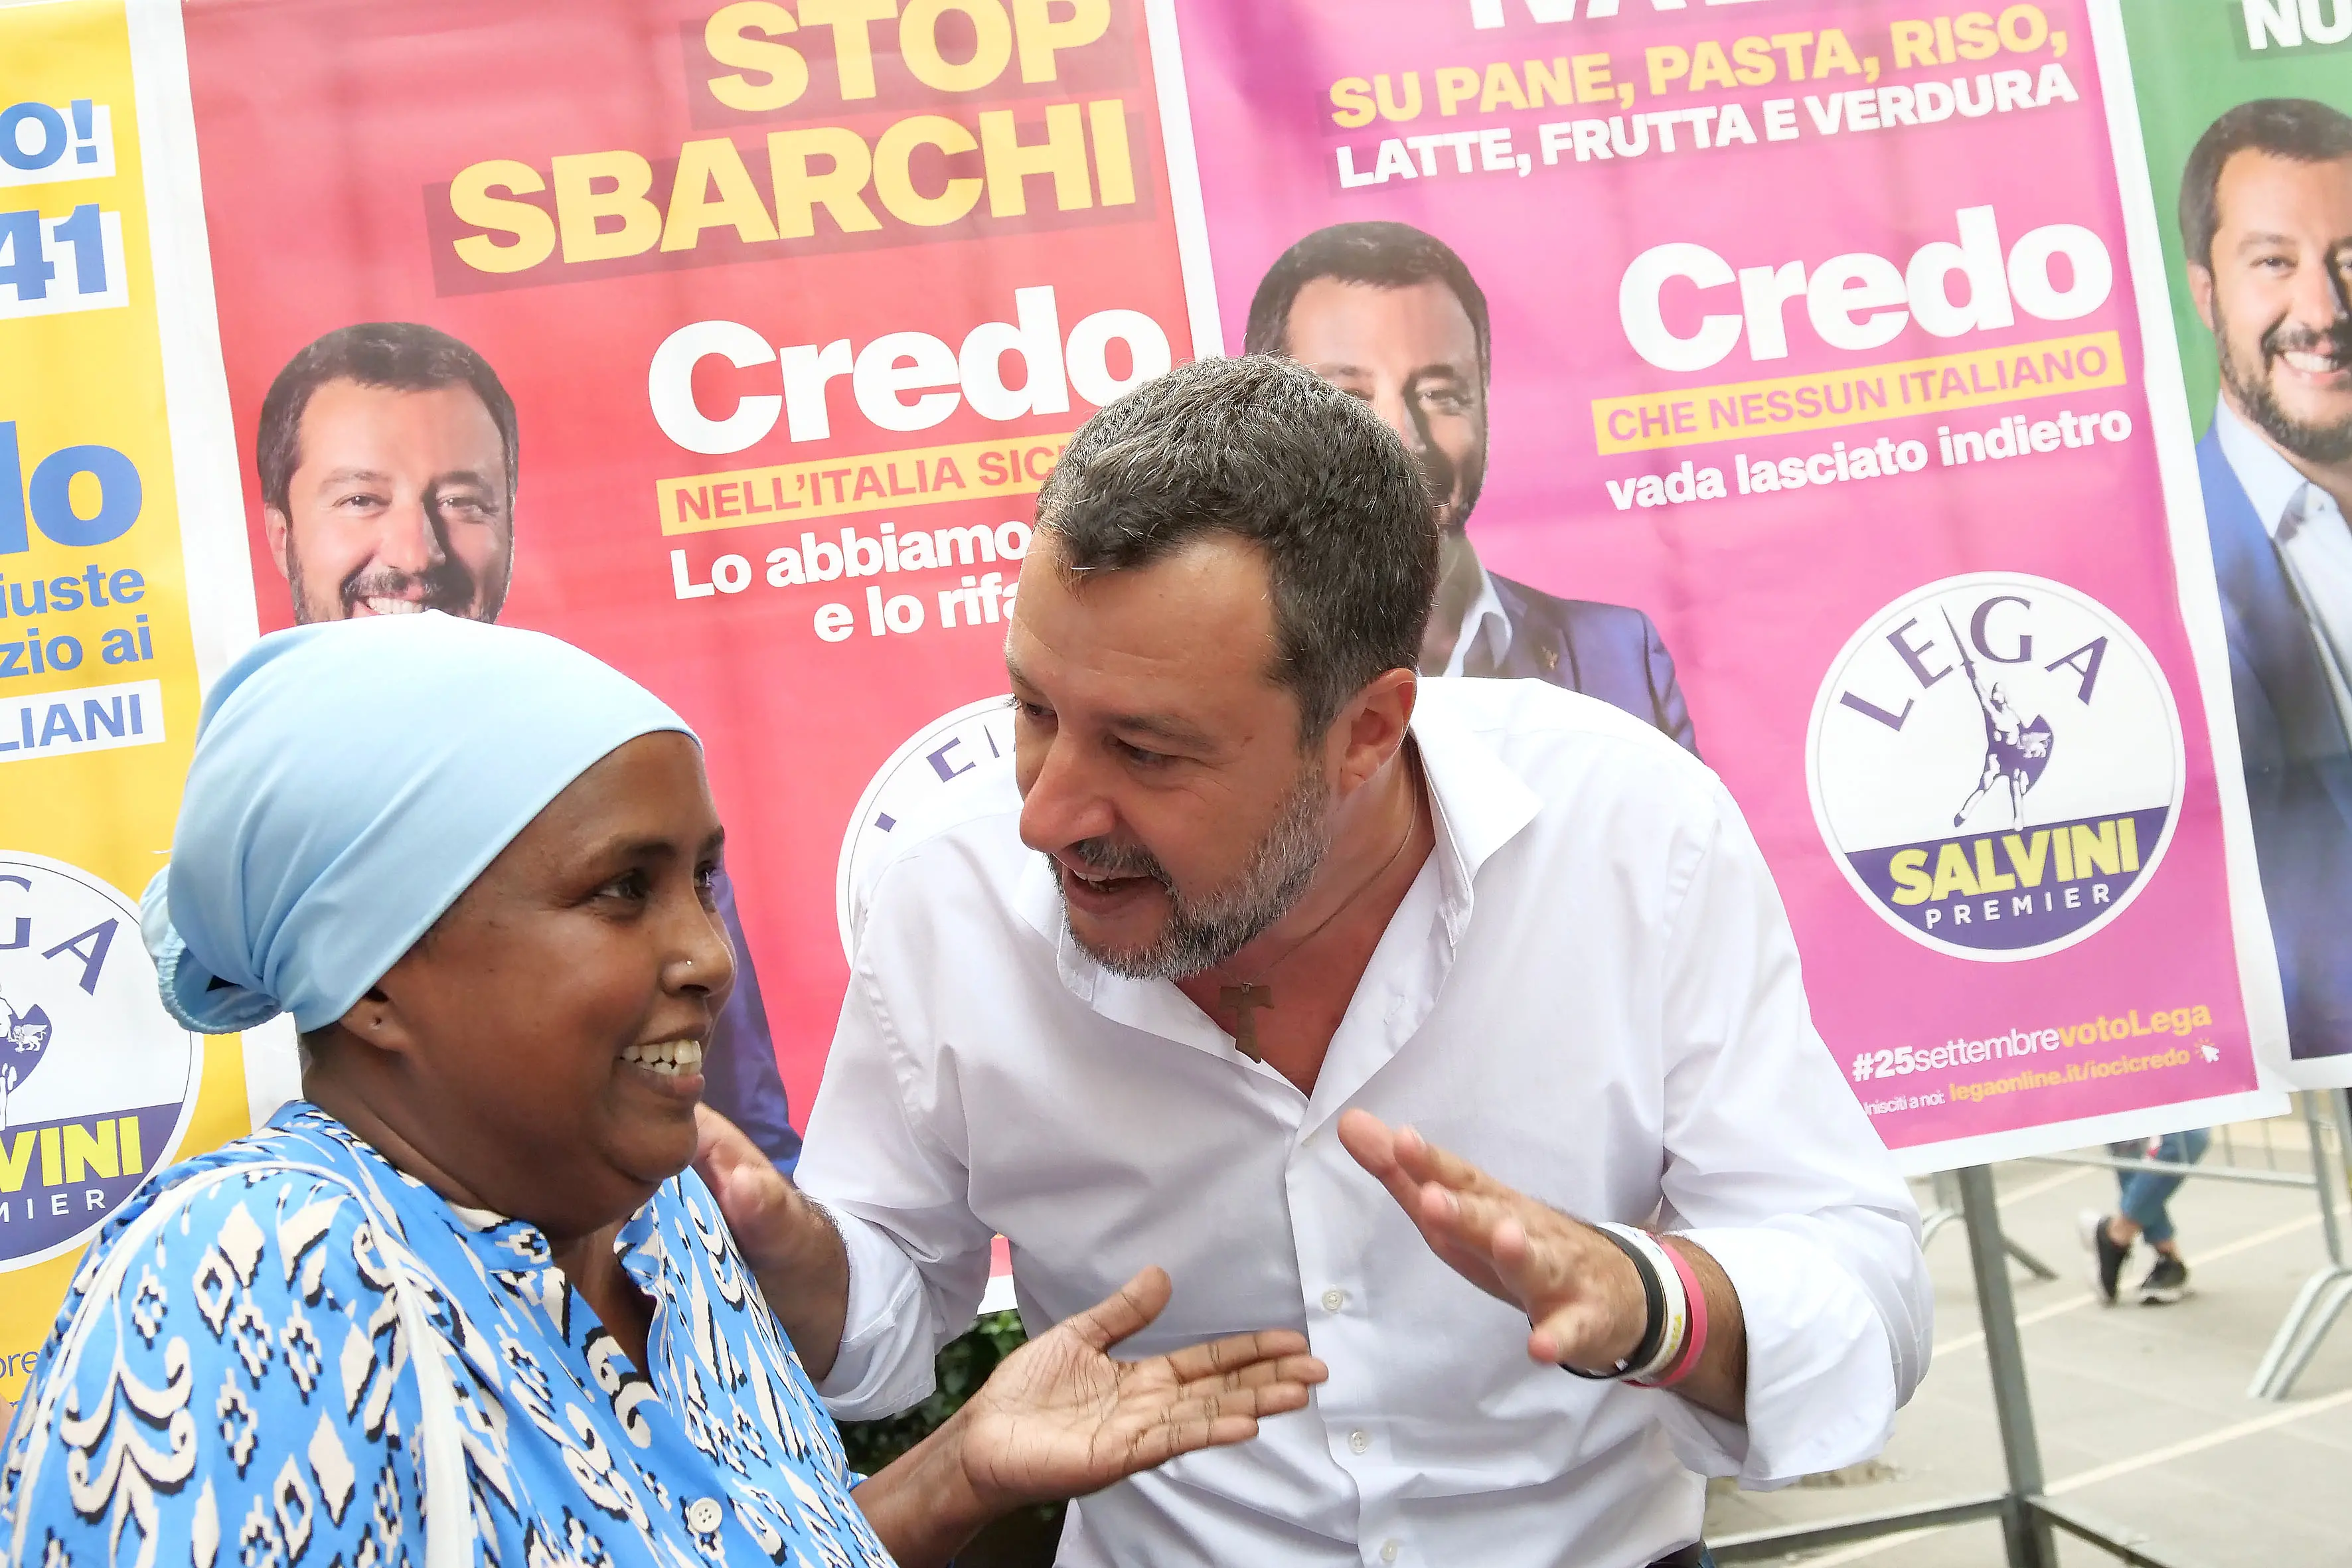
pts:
[2266, 223]
[1390, 315]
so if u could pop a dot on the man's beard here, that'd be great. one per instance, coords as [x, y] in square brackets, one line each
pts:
[1439, 474]
[449, 587]
[2328, 443]
[1201, 933]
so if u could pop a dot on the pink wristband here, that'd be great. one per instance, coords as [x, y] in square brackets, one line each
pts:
[1696, 1346]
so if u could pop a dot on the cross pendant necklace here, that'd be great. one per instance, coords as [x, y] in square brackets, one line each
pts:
[1253, 993]
[1245, 999]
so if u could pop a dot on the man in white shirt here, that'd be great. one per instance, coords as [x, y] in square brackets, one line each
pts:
[2266, 221]
[1293, 896]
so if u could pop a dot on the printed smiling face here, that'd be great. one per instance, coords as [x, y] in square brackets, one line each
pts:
[399, 501]
[2278, 296]
[1413, 354]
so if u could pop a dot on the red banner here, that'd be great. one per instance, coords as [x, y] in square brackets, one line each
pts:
[794, 307]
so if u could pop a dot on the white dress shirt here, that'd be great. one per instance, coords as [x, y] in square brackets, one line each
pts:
[1591, 990]
[2314, 544]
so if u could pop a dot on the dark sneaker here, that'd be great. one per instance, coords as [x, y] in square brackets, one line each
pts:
[2107, 1256]
[2166, 1283]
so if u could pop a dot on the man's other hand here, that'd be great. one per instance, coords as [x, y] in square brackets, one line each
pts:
[1581, 1295]
[792, 1245]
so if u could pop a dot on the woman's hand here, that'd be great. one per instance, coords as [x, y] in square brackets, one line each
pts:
[1060, 1419]
[793, 1248]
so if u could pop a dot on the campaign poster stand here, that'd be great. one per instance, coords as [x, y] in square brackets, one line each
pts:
[1946, 1187]
[2028, 1519]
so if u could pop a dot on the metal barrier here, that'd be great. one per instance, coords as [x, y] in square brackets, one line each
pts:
[2324, 1294]
[2328, 1292]
[1946, 1185]
[2029, 1519]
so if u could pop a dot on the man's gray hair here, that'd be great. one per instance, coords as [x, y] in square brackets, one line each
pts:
[1263, 450]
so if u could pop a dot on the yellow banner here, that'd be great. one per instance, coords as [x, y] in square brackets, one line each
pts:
[98, 679]
[1791, 404]
[877, 482]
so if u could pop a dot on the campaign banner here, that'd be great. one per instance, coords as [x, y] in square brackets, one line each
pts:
[2244, 114]
[728, 342]
[1781, 370]
[99, 669]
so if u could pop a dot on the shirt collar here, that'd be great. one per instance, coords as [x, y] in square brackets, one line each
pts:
[500, 1242]
[2276, 487]
[1486, 623]
[1478, 805]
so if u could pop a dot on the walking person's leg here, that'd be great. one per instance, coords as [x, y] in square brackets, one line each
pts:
[2167, 1279]
[2141, 1212]
[2108, 1250]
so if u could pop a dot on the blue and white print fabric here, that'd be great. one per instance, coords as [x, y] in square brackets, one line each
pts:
[247, 1398]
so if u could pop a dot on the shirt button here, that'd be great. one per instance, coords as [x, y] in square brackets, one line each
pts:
[1388, 1550]
[1360, 1440]
[1334, 1299]
[702, 1515]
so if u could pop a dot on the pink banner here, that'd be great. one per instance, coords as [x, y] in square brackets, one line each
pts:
[1814, 340]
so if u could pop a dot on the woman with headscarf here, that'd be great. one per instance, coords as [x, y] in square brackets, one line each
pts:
[466, 1300]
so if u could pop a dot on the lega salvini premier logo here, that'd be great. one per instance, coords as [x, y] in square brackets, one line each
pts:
[1995, 763]
[96, 1080]
[934, 780]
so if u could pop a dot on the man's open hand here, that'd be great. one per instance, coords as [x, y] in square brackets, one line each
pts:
[1580, 1293]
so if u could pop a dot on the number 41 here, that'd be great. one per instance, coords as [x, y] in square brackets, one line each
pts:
[25, 264]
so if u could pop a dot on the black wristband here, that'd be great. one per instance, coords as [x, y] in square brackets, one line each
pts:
[1653, 1300]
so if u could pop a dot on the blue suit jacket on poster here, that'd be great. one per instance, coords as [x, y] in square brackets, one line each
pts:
[740, 1079]
[2298, 765]
[1608, 651]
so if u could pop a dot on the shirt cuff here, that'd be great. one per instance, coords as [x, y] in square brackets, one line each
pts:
[1821, 1374]
[884, 1362]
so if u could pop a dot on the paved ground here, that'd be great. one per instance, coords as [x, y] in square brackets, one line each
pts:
[2142, 1411]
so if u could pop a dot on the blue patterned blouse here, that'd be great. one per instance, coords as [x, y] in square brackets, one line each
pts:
[245, 1395]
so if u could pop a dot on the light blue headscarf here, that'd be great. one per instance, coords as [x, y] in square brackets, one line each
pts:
[351, 781]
